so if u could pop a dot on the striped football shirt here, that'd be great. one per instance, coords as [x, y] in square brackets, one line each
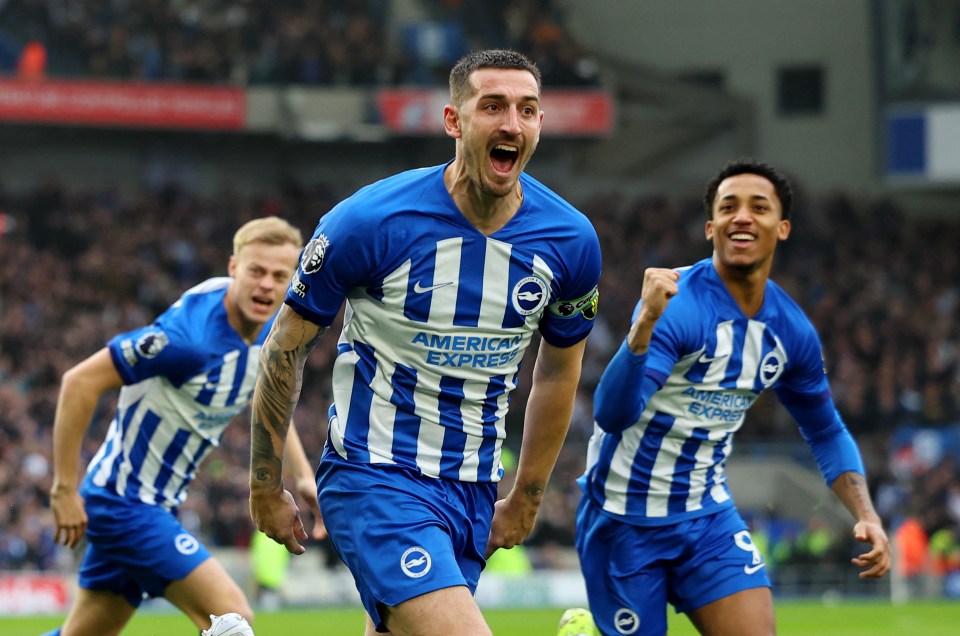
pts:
[438, 317]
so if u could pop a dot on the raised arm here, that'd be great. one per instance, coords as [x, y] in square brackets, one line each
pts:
[546, 421]
[80, 390]
[277, 390]
[621, 394]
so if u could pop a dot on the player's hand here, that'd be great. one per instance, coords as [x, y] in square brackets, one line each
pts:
[659, 286]
[513, 520]
[307, 491]
[70, 514]
[276, 515]
[876, 562]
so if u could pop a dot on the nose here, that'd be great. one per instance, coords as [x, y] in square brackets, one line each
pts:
[742, 214]
[511, 121]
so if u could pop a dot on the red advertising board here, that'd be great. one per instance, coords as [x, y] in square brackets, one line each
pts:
[33, 594]
[570, 113]
[122, 104]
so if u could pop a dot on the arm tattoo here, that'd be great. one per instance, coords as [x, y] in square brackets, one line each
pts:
[534, 491]
[275, 397]
[855, 494]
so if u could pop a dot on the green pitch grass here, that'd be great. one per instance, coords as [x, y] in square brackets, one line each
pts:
[793, 618]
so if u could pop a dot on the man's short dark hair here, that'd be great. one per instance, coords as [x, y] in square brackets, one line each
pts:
[460, 87]
[750, 166]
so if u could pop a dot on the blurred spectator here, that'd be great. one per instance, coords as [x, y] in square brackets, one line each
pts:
[910, 549]
[308, 42]
[294, 41]
[32, 64]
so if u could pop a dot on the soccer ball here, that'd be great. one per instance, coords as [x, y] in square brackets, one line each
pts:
[231, 624]
[577, 622]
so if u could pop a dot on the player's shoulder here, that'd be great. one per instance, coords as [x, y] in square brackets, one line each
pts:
[195, 305]
[209, 286]
[401, 191]
[554, 216]
[784, 304]
[696, 275]
[208, 292]
[542, 196]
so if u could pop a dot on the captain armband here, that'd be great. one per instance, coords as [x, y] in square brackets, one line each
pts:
[586, 305]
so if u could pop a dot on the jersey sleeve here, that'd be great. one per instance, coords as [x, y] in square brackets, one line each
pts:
[805, 379]
[158, 350]
[630, 380]
[337, 259]
[668, 338]
[570, 318]
[804, 391]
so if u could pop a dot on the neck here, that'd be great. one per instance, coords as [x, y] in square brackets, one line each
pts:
[485, 212]
[246, 329]
[746, 286]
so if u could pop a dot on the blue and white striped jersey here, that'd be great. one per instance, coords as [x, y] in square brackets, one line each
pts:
[663, 461]
[438, 316]
[186, 376]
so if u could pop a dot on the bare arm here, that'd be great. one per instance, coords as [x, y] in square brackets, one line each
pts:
[546, 422]
[80, 391]
[851, 489]
[277, 390]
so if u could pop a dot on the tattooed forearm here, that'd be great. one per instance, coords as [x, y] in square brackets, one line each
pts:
[534, 491]
[851, 488]
[276, 393]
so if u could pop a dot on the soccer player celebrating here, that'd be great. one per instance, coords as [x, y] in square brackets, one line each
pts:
[183, 380]
[447, 271]
[656, 522]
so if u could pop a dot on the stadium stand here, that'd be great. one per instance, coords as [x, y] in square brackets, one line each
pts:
[62, 297]
[881, 283]
[307, 42]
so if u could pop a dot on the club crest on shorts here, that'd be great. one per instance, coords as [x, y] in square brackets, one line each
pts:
[415, 562]
[529, 295]
[312, 259]
[626, 621]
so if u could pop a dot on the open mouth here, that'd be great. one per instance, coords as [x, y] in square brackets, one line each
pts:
[742, 237]
[262, 303]
[503, 158]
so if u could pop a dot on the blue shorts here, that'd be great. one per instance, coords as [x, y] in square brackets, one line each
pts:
[134, 549]
[402, 534]
[632, 572]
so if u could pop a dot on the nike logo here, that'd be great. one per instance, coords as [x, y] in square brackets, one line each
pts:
[420, 289]
[751, 569]
[705, 359]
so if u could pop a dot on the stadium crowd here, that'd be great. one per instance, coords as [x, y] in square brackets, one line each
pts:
[882, 287]
[304, 42]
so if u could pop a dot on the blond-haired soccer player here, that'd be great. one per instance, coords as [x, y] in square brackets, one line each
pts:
[184, 378]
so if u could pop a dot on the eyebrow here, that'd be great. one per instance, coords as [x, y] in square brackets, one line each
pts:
[502, 97]
[753, 197]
